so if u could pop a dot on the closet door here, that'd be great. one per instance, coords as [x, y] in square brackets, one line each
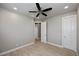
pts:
[69, 32]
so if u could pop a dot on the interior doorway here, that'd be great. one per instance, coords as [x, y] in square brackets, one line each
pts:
[37, 30]
[40, 31]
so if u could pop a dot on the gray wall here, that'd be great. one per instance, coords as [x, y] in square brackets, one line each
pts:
[54, 30]
[78, 30]
[15, 30]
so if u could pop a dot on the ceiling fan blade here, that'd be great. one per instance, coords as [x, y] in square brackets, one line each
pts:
[38, 6]
[47, 9]
[44, 14]
[37, 15]
[33, 11]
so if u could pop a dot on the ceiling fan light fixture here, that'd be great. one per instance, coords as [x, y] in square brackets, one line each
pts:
[40, 11]
[37, 17]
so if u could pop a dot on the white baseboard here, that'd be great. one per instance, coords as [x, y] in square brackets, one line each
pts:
[11, 50]
[61, 47]
[55, 44]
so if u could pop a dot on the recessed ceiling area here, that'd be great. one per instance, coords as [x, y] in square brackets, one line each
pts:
[24, 8]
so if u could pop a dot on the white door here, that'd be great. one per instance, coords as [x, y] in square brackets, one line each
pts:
[69, 32]
[43, 32]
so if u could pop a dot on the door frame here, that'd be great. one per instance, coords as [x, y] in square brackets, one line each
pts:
[41, 33]
[44, 32]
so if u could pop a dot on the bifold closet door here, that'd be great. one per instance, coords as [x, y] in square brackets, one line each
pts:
[69, 32]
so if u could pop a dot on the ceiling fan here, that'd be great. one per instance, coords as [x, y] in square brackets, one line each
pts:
[40, 11]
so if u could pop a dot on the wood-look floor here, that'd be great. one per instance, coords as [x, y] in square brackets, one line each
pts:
[41, 49]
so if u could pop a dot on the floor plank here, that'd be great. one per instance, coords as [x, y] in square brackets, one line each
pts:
[41, 49]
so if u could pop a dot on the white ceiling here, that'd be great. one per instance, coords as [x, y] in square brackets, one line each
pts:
[57, 8]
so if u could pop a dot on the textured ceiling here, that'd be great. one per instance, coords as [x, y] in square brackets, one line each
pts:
[57, 8]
